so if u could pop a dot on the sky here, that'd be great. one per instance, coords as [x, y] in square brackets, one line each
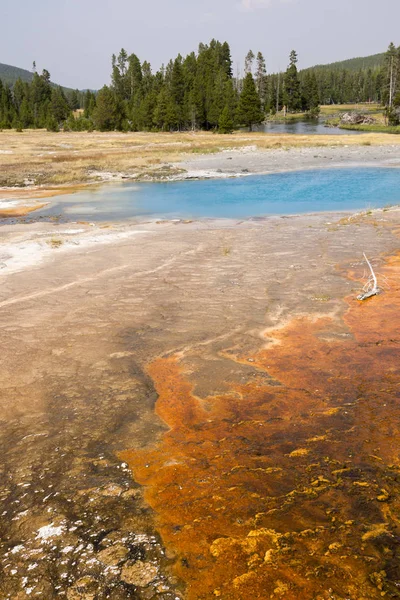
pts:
[74, 39]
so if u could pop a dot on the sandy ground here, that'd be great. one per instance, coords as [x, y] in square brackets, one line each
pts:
[86, 310]
[251, 160]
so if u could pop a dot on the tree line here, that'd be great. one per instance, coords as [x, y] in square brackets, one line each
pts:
[199, 91]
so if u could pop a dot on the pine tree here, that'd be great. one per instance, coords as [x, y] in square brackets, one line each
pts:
[59, 108]
[218, 101]
[89, 104]
[104, 115]
[226, 59]
[134, 76]
[314, 94]
[160, 116]
[73, 99]
[25, 114]
[225, 123]
[292, 95]
[248, 62]
[18, 93]
[249, 107]
[51, 124]
[177, 90]
[261, 79]
[231, 98]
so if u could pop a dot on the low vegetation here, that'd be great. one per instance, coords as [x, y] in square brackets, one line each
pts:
[373, 128]
[38, 157]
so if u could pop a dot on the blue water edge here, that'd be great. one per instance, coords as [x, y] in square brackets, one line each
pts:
[252, 196]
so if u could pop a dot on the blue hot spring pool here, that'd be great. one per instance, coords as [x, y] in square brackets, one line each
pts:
[250, 196]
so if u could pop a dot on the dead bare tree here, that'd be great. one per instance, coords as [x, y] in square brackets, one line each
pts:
[371, 288]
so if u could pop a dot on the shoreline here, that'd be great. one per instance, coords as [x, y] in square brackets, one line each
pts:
[42, 239]
[243, 162]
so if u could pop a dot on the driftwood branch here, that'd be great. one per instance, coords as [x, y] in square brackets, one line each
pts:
[371, 288]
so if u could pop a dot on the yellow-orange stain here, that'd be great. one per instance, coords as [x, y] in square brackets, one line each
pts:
[292, 490]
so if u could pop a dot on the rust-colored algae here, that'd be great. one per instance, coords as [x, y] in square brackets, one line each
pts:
[287, 491]
[20, 211]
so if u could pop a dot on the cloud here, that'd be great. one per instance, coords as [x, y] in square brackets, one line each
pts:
[252, 5]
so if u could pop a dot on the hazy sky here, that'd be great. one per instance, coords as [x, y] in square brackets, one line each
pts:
[74, 39]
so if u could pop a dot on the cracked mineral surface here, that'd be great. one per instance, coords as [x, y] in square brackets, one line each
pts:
[202, 410]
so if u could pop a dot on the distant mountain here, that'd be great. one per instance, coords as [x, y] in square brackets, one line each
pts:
[10, 74]
[355, 64]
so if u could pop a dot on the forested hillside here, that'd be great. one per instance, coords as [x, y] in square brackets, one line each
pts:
[350, 81]
[10, 74]
[355, 64]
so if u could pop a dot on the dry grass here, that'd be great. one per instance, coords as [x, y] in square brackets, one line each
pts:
[331, 109]
[54, 159]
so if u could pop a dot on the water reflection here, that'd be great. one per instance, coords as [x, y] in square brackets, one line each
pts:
[302, 127]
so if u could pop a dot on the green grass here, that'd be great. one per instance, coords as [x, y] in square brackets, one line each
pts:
[372, 128]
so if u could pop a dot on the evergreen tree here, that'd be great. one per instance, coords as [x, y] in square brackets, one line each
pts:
[249, 107]
[248, 62]
[104, 115]
[40, 95]
[226, 59]
[310, 94]
[261, 79]
[25, 114]
[160, 116]
[177, 91]
[134, 76]
[89, 104]
[19, 92]
[59, 108]
[231, 98]
[7, 111]
[52, 124]
[225, 123]
[73, 99]
[218, 100]
[314, 100]
[292, 96]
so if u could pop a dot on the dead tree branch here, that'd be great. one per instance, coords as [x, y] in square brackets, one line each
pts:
[371, 288]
